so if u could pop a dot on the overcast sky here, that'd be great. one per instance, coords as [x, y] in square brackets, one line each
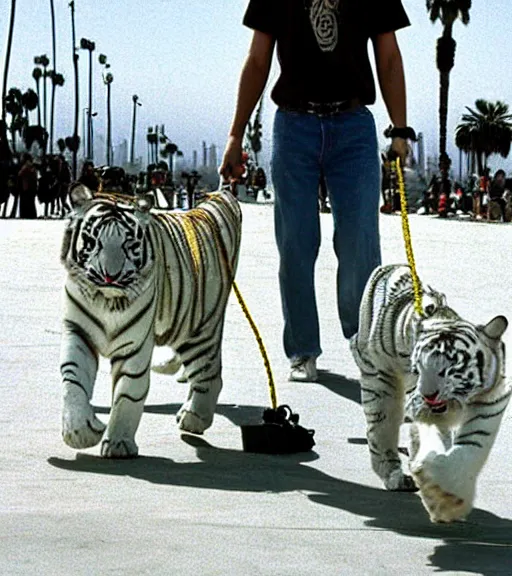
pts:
[183, 57]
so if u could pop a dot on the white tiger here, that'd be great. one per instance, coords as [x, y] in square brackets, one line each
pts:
[139, 278]
[447, 373]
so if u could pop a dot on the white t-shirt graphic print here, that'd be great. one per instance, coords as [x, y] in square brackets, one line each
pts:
[323, 17]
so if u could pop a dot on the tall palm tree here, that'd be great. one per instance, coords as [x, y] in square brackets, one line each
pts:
[447, 12]
[8, 56]
[53, 76]
[36, 75]
[56, 78]
[73, 142]
[485, 130]
[44, 62]
[5, 152]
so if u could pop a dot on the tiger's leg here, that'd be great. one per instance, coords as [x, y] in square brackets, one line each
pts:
[202, 361]
[447, 479]
[78, 365]
[382, 398]
[130, 386]
[425, 438]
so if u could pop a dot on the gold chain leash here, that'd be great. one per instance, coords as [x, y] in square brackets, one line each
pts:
[416, 284]
[190, 234]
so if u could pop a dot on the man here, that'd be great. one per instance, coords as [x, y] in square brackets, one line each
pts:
[88, 176]
[322, 126]
[27, 187]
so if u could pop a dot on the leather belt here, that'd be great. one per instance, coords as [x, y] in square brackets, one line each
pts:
[324, 108]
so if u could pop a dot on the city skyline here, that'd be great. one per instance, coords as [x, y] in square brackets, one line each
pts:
[183, 60]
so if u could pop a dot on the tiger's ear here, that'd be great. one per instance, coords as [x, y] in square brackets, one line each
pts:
[495, 328]
[79, 195]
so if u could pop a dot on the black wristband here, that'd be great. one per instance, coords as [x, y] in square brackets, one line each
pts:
[405, 133]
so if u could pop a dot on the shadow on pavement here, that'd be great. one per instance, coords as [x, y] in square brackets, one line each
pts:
[238, 414]
[483, 545]
[345, 387]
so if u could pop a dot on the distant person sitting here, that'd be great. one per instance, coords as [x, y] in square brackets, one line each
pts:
[496, 195]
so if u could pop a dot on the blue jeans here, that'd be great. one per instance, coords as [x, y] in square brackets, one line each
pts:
[344, 147]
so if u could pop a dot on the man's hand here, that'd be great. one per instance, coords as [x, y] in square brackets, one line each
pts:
[231, 167]
[400, 147]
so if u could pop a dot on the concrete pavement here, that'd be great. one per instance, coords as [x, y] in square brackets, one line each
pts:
[202, 506]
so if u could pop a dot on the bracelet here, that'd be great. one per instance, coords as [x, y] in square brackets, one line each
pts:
[405, 133]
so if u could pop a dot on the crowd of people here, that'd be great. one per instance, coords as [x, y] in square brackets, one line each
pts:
[33, 188]
[29, 182]
[482, 197]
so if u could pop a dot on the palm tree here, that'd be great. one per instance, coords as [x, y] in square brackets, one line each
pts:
[8, 56]
[254, 133]
[14, 107]
[57, 80]
[44, 62]
[35, 134]
[54, 77]
[5, 152]
[90, 46]
[463, 141]
[447, 11]
[36, 75]
[73, 142]
[136, 103]
[485, 131]
[169, 150]
[30, 101]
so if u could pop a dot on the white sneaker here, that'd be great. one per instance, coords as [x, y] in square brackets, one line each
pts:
[303, 369]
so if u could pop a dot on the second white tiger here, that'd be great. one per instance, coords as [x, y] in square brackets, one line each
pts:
[446, 374]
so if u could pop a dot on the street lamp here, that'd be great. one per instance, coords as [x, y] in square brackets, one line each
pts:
[85, 112]
[108, 78]
[90, 46]
[136, 103]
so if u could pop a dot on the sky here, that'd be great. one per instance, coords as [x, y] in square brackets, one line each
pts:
[183, 59]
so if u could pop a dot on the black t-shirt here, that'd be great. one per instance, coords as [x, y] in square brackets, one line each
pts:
[322, 45]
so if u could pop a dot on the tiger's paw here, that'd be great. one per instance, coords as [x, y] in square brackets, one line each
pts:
[399, 482]
[445, 493]
[191, 421]
[123, 448]
[80, 426]
[196, 414]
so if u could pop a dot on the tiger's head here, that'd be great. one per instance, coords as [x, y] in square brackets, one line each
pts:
[454, 361]
[106, 247]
